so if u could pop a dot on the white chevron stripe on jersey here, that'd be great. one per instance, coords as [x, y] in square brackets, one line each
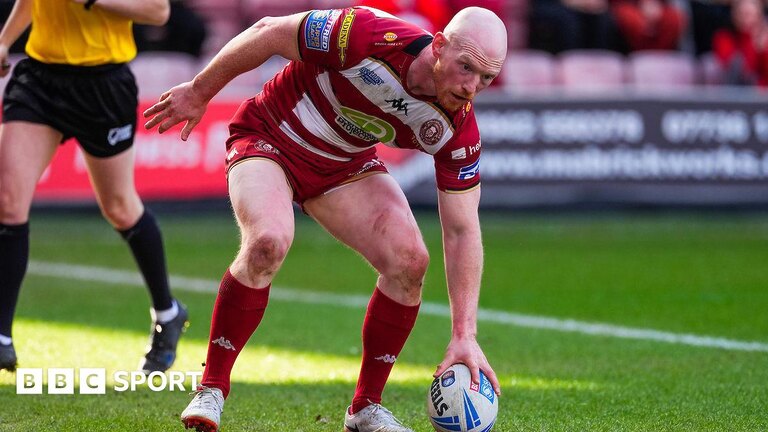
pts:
[418, 112]
[314, 122]
[286, 128]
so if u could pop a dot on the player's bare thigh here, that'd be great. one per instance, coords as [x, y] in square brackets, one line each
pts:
[26, 149]
[263, 205]
[373, 217]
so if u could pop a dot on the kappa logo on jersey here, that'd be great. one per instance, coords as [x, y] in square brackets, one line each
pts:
[225, 343]
[398, 104]
[470, 171]
[370, 77]
[346, 27]
[318, 28]
[431, 132]
[387, 358]
[122, 133]
[364, 126]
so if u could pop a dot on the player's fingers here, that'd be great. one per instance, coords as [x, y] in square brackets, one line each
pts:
[488, 371]
[188, 128]
[157, 107]
[167, 124]
[440, 369]
[154, 121]
[474, 370]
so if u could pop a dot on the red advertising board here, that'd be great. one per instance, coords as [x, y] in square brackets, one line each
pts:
[166, 166]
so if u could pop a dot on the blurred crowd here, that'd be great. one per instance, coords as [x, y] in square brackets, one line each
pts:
[734, 31]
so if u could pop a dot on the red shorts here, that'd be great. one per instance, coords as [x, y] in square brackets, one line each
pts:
[308, 174]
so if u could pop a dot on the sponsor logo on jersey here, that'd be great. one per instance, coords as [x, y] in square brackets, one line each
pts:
[475, 148]
[390, 36]
[387, 358]
[224, 343]
[318, 28]
[459, 154]
[122, 133]
[431, 132]
[346, 27]
[469, 171]
[370, 77]
[364, 126]
[266, 147]
[398, 104]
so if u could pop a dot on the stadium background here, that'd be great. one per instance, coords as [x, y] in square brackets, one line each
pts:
[624, 223]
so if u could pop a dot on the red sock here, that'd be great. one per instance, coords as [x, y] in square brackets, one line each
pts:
[236, 314]
[385, 329]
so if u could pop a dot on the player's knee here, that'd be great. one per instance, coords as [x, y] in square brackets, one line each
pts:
[411, 264]
[265, 252]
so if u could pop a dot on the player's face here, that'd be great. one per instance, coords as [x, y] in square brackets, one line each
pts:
[460, 74]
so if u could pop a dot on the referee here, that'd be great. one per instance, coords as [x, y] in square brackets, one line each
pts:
[76, 84]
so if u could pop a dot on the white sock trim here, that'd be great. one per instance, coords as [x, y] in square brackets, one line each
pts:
[5, 340]
[166, 315]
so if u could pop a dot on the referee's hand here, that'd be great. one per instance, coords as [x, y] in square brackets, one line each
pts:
[177, 105]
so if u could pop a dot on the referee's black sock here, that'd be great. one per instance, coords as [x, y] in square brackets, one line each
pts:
[146, 243]
[14, 255]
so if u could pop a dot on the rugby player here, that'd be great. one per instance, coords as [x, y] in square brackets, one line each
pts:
[357, 77]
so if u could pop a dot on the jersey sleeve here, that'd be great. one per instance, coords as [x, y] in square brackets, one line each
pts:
[457, 164]
[336, 38]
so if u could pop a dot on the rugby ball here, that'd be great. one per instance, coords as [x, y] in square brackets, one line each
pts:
[455, 404]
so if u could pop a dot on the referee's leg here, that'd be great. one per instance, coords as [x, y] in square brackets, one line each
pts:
[25, 150]
[113, 181]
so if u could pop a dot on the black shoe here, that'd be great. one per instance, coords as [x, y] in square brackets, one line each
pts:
[161, 351]
[7, 358]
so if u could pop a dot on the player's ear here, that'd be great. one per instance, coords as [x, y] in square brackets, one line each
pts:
[439, 44]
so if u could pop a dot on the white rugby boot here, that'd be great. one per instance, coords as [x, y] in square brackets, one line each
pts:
[204, 412]
[373, 418]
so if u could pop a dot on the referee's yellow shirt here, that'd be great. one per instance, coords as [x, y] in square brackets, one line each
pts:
[64, 32]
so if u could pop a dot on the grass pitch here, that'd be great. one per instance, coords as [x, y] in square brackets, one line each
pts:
[703, 275]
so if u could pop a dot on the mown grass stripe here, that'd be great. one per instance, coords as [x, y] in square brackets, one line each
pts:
[181, 283]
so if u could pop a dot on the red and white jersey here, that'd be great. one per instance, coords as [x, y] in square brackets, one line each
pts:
[349, 93]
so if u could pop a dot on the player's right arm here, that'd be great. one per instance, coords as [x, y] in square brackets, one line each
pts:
[18, 21]
[248, 50]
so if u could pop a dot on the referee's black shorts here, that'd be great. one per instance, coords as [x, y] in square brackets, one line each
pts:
[95, 104]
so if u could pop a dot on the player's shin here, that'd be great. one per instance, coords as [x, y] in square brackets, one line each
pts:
[236, 315]
[386, 327]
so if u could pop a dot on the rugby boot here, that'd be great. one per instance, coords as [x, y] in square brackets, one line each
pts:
[161, 350]
[203, 413]
[7, 358]
[373, 418]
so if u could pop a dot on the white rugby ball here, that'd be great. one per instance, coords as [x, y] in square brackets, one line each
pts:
[455, 404]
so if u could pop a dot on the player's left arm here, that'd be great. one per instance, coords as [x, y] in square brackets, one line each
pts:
[463, 250]
[152, 12]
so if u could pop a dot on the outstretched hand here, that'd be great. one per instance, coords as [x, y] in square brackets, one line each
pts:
[179, 104]
[469, 353]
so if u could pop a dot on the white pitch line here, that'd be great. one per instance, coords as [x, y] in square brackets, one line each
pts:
[180, 283]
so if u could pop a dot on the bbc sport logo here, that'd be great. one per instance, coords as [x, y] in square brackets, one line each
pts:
[93, 381]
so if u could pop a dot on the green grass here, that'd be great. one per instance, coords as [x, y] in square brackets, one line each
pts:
[688, 274]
